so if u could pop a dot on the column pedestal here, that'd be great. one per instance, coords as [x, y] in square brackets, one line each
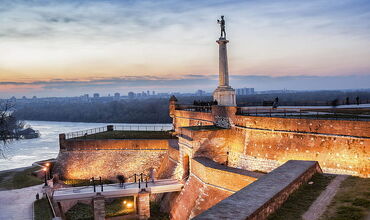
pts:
[225, 96]
[99, 207]
[143, 205]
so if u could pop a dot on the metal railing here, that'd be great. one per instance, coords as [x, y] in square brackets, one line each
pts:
[194, 108]
[316, 113]
[128, 127]
[91, 131]
[160, 127]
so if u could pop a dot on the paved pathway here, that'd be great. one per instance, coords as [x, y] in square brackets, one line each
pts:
[318, 207]
[114, 190]
[17, 204]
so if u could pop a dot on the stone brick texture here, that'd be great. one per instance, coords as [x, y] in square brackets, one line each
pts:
[266, 195]
[206, 186]
[107, 163]
[264, 143]
[143, 205]
[222, 178]
[99, 208]
[83, 159]
[195, 198]
[111, 144]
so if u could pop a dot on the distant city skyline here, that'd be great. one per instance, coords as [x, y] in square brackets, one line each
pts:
[69, 48]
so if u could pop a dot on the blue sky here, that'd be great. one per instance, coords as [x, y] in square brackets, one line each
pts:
[74, 47]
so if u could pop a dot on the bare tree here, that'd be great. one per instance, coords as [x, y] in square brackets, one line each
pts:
[9, 125]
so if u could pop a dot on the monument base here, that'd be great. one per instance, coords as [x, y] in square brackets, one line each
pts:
[225, 96]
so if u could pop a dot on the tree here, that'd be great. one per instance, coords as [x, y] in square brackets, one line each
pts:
[9, 125]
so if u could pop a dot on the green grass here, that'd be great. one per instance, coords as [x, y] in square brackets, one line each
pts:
[155, 212]
[300, 200]
[85, 182]
[42, 210]
[352, 200]
[130, 135]
[119, 207]
[80, 211]
[19, 179]
[113, 207]
[204, 127]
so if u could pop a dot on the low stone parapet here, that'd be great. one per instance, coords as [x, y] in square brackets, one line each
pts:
[222, 176]
[264, 196]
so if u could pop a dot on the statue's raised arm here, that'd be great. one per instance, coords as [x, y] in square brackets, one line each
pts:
[222, 25]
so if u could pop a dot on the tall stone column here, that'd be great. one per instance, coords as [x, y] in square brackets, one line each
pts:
[224, 94]
[223, 65]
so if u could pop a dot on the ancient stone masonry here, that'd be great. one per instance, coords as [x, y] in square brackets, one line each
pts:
[99, 207]
[108, 163]
[143, 205]
[264, 143]
[83, 159]
[261, 198]
[224, 94]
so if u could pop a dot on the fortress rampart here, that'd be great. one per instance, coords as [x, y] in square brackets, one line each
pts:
[86, 158]
[264, 143]
[208, 183]
[261, 198]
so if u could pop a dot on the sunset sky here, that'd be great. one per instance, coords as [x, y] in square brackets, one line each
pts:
[72, 47]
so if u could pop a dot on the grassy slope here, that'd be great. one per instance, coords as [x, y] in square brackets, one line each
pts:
[80, 211]
[300, 200]
[19, 179]
[352, 200]
[42, 210]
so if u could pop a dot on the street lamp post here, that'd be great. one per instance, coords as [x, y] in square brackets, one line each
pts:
[101, 183]
[48, 167]
[93, 182]
[45, 173]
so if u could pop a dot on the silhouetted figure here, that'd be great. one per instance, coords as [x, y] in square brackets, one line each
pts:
[334, 103]
[357, 100]
[275, 104]
[121, 179]
[347, 101]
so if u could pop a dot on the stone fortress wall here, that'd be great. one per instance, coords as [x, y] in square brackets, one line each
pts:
[106, 158]
[206, 184]
[214, 162]
[264, 143]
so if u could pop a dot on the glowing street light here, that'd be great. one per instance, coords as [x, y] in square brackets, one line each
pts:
[129, 205]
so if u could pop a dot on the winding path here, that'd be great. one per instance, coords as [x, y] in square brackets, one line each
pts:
[17, 203]
[318, 207]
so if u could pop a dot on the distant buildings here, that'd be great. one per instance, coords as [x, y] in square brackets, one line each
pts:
[96, 95]
[245, 91]
[200, 92]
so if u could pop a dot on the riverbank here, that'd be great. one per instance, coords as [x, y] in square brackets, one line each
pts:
[19, 178]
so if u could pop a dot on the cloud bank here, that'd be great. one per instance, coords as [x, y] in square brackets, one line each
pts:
[187, 83]
[55, 45]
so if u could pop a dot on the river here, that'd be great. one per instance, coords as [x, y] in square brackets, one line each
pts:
[21, 153]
